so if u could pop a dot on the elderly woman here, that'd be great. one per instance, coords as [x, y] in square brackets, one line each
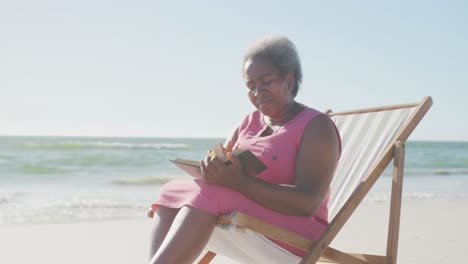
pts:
[300, 146]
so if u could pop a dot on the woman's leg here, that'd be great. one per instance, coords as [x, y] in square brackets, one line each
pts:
[187, 237]
[162, 219]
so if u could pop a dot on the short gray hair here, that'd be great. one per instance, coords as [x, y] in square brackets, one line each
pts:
[281, 52]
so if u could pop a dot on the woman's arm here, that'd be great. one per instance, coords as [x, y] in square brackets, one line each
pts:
[315, 165]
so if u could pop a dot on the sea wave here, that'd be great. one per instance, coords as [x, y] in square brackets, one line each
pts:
[40, 169]
[78, 209]
[385, 197]
[85, 161]
[94, 203]
[451, 172]
[102, 144]
[415, 196]
[4, 199]
[8, 197]
[151, 180]
[420, 196]
[439, 172]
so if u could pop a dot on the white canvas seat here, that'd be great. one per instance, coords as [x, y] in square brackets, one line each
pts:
[371, 138]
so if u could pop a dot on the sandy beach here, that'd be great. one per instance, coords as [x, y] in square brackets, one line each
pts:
[431, 232]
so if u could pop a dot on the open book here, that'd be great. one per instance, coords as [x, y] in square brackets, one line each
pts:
[252, 165]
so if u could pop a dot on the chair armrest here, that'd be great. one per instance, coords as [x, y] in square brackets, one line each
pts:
[330, 254]
[243, 220]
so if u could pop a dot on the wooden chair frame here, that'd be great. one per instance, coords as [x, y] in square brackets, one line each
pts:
[320, 250]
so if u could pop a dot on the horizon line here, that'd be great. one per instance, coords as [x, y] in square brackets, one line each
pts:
[180, 137]
[106, 136]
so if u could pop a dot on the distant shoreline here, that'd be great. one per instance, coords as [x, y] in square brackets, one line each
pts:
[180, 137]
[87, 136]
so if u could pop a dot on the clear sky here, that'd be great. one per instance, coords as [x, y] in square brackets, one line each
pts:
[173, 68]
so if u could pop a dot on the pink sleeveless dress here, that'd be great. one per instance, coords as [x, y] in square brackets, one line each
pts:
[278, 151]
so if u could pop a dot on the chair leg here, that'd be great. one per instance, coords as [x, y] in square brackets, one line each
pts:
[395, 203]
[209, 256]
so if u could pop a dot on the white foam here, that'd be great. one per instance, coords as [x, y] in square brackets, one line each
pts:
[151, 180]
[103, 144]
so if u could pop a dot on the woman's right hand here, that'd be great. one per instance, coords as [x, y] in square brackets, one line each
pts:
[214, 171]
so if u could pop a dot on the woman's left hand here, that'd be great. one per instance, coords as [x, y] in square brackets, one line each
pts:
[214, 171]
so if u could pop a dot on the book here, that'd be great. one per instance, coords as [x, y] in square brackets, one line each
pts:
[251, 163]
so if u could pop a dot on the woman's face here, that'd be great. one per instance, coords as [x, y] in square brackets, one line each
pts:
[269, 91]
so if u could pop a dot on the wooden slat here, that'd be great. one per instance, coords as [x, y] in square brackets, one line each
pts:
[395, 203]
[336, 256]
[415, 119]
[372, 110]
[209, 256]
[224, 219]
[363, 188]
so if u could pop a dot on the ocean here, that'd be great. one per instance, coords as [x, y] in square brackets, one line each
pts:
[70, 179]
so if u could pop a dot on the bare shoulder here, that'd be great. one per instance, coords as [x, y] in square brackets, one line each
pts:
[317, 155]
[321, 129]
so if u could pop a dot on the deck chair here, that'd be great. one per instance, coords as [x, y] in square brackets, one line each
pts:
[371, 138]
